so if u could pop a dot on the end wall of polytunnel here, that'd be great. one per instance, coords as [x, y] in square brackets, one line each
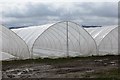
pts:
[64, 39]
[12, 44]
[109, 44]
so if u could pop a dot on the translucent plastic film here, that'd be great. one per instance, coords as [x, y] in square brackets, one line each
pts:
[106, 39]
[60, 39]
[64, 39]
[12, 45]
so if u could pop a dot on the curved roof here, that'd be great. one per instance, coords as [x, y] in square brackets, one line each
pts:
[12, 44]
[106, 39]
[30, 34]
[100, 32]
[109, 44]
[51, 38]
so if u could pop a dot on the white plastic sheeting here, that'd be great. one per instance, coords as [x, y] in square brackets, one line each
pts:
[58, 40]
[106, 39]
[6, 56]
[12, 46]
[30, 34]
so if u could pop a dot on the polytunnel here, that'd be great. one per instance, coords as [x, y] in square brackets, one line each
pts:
[6, 56]
[60, 39]
[106, 39]
[12, 46]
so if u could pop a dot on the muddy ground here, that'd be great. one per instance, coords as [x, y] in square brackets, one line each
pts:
[78, 67]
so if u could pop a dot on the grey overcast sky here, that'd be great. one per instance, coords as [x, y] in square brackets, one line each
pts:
[37, 13]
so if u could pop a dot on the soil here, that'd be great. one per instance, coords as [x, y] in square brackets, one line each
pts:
[71, 68]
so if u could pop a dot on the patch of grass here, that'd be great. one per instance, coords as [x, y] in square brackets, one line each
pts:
[113, 73]
[40, 60]
[57, 60]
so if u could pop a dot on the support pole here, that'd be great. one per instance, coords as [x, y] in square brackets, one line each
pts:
[67, 39]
